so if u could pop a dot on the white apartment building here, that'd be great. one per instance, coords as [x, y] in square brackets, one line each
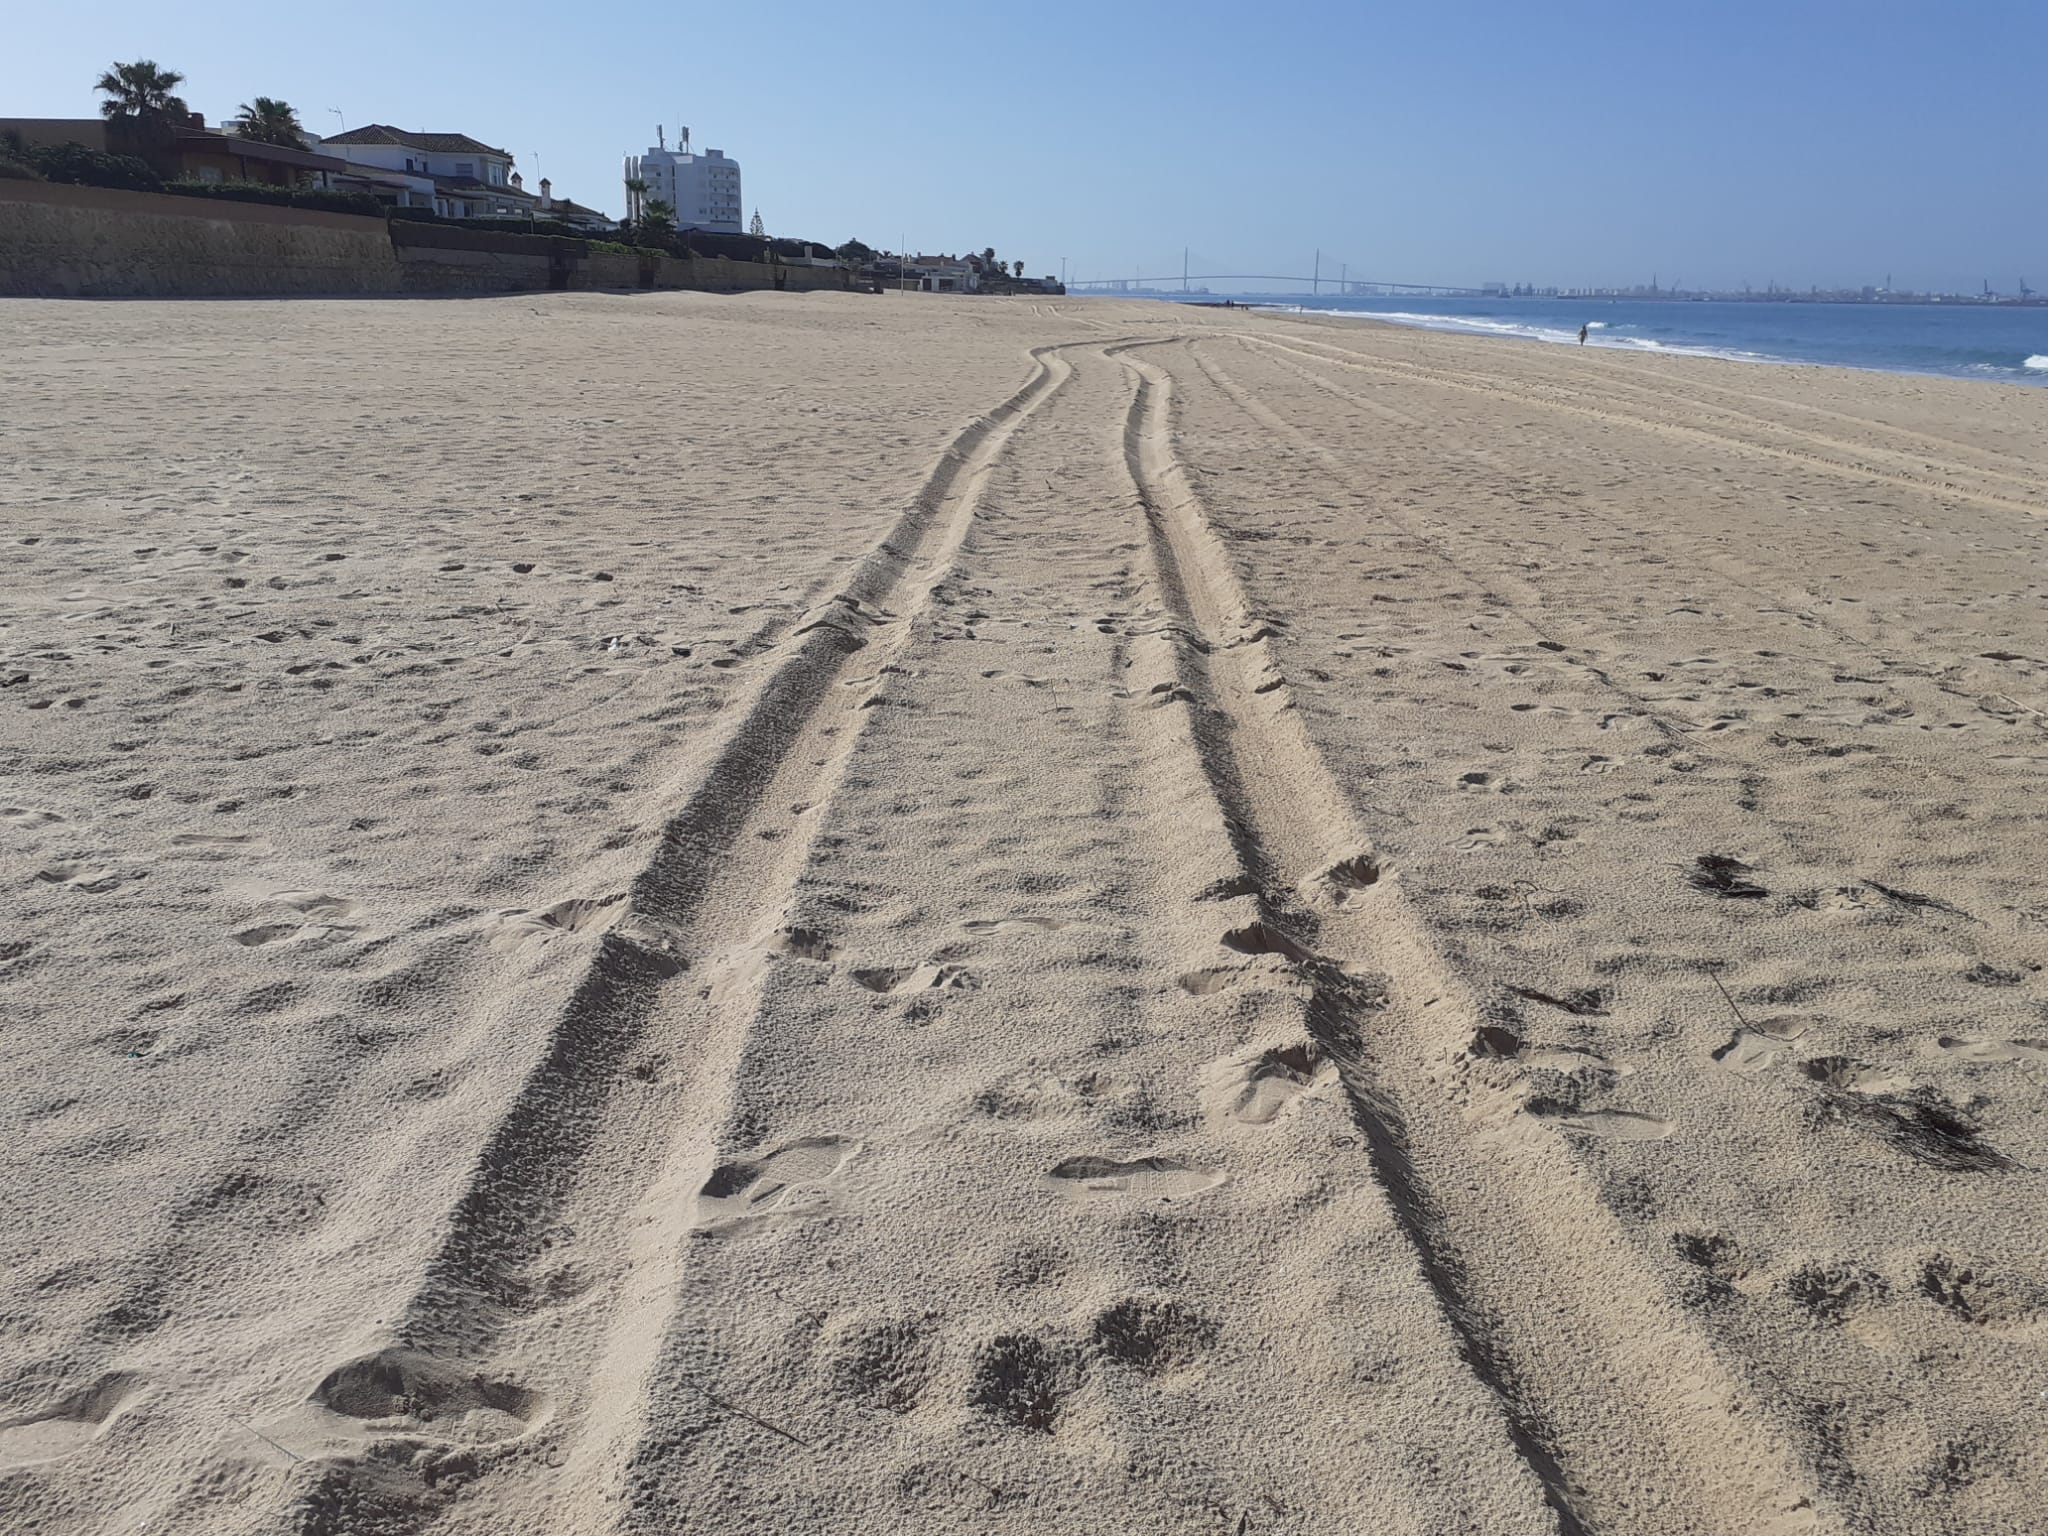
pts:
[703, 189]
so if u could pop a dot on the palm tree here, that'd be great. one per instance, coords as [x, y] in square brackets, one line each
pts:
[1019, 266]
[270, 121]
[658, 216]
[139, 98]
[636, 189]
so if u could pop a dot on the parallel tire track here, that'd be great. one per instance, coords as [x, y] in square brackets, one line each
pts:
[1655, 393]
[1493, 388]
[1612, 1397]
[1767, 599]
[788, 740]
[1671, 728]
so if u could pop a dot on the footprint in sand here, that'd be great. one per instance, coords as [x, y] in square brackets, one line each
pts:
[1761, 1046]
[1853, 1076]
[517, 926]
[262, 934]
[210, 842]
[90, 878]
[318, 918]
[70, 1424]
[803, 944]
[1090, 1180]
[1343, 882]
[318, 905]
[2030, 1056]
[1493, 1041]
[398, 1389]
[914, 978]
[27, 817]
[1615, 1125]
[796, 1179]
[1485, 781]
[1265, 939]
[1014, 925]
[1254, 1085]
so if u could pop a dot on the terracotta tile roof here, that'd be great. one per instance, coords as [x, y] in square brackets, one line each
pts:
[433, 143]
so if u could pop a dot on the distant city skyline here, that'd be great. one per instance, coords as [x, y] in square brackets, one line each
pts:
[1574, 144]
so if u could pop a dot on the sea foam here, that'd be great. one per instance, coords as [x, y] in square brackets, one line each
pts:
[2038, 360]
[1480, 325]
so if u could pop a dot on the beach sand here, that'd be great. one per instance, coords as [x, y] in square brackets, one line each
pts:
[874, 914]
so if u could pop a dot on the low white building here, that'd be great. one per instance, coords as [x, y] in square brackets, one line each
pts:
[470, 179]
[944, 274]
[703, 189]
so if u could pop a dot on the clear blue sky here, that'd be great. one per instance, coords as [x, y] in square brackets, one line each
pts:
[1457, 141]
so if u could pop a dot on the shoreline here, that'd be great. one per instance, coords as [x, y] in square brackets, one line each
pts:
[2033, 374]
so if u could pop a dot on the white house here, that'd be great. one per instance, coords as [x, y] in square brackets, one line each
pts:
[703, 189]
[944, 274]
[470, 180]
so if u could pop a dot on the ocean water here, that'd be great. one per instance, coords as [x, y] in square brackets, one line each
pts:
[1960, 341]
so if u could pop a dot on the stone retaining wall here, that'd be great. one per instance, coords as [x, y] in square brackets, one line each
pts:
[94, 242]
[63, 242]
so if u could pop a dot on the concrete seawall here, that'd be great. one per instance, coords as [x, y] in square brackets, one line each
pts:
[94, 242]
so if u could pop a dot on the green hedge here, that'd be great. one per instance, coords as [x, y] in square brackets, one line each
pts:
[311, 198]
[78, 166]
[515, 225]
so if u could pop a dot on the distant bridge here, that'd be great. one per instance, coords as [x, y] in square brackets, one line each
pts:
[1182, 282]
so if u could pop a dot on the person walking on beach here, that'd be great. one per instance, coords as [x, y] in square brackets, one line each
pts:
[1582, 334]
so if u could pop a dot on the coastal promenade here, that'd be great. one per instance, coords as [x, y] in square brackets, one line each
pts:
[821, 912]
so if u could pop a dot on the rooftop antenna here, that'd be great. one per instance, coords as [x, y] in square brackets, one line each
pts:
[660, 139]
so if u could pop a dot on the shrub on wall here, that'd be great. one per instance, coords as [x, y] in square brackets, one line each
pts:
[78, 166]
[312, 198]
[511, 226]
[340, 202]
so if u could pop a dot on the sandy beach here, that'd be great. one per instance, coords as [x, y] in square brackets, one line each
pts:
[832, 913]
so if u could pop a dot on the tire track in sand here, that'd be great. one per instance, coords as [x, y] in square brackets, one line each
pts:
[428, 1411]
[1616, 1403]
[1076, 1240]
[1916, 677]
[1805, 456]
[1662, 393]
